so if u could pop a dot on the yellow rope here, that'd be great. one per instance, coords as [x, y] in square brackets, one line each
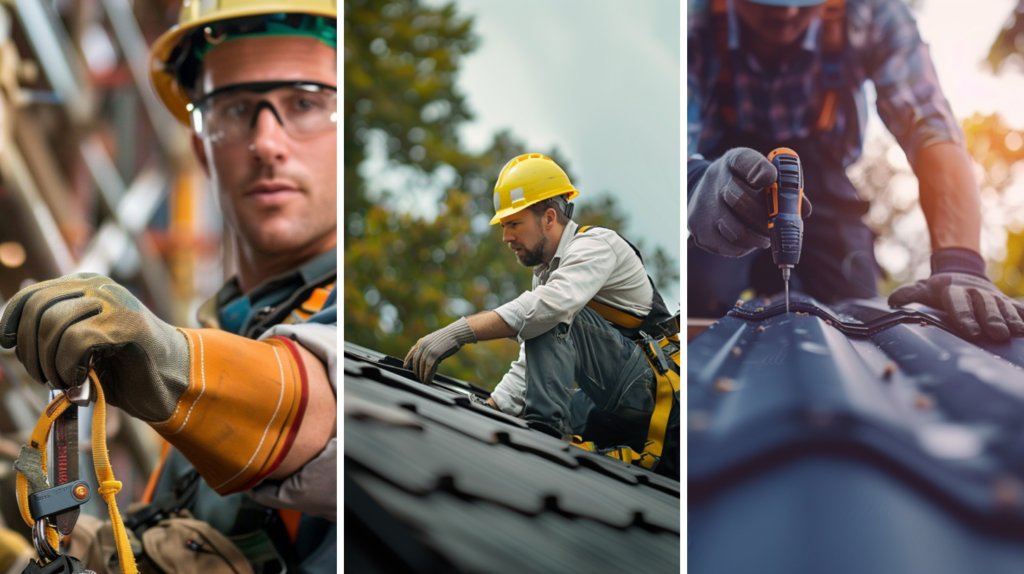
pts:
[108, 487]
[38, 441]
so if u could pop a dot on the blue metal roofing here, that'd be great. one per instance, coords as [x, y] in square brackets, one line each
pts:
[853, 438]
[434, 482]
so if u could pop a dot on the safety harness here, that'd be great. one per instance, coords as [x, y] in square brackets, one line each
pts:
[831, 77]
[43, 507]
[657, 333]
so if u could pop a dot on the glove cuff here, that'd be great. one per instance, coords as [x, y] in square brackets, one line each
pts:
[958, 260]
[242, 410]
[461, 332]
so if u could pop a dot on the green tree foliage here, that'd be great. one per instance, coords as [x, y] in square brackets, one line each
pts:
[406, 276]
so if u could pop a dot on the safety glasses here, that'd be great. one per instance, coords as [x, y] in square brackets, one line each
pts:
[227, 115]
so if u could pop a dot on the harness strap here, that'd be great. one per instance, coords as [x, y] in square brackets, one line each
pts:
[108, 485]
[832, 78]
[667, 394]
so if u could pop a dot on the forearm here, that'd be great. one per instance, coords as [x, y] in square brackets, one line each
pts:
[488, 325]
[320, 421]
[949, 197]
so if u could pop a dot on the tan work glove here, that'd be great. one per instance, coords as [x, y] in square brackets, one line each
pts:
[230, 404]
[63, 325]
[425, 356]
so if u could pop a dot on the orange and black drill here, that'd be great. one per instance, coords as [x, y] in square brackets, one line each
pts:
[785, 224]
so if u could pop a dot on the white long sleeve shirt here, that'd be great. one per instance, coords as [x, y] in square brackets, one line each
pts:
[596, 264]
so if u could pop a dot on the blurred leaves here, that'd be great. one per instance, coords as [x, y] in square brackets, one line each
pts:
[406, 275]
[1007, 50]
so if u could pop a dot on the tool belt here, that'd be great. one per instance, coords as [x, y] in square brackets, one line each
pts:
[657, 333]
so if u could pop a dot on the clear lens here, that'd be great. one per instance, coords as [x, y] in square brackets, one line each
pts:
[228, 116]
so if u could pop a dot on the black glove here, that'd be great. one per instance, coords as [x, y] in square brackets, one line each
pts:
[958, 286]
[727, 213]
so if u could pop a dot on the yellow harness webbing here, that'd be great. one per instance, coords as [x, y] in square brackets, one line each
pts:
[108, 486]
[668, 386]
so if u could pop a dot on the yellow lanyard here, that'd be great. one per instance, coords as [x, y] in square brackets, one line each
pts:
[108, 486]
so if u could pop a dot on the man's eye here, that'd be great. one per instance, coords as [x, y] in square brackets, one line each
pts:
[236, 110]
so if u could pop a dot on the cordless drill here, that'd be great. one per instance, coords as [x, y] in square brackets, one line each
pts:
[785, 224]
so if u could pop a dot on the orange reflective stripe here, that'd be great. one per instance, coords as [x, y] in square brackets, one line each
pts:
[165, 451]
[291, 519]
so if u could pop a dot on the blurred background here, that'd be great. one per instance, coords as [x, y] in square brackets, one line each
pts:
[439, 96]
[95, 175]
[978, 50]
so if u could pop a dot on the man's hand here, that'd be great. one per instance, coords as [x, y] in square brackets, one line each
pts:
[425, 356]
[974, 304]
[727, 213]
[62, 326]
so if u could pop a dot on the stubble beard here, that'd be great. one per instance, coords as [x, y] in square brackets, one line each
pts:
[535, 256]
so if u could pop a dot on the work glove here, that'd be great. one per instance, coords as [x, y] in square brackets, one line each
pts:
[727, 214]
[425, 356]
[958, 286]
[231, 405]
[62, 326]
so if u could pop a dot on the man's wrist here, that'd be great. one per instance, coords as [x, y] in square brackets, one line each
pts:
[958, 260]
[695, 169]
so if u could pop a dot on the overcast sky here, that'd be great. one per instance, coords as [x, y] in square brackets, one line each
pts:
[600, 80]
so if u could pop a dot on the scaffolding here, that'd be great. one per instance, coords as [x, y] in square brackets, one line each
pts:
[95, 176]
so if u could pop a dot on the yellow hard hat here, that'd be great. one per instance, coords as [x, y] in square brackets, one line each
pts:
[528, 179]
[197, 13]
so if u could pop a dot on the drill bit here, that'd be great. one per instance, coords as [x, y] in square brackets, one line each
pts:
[785, 279]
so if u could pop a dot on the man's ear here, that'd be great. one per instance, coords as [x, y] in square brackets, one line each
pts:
[199, 151]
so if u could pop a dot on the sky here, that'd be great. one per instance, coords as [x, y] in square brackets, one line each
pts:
[600, 80]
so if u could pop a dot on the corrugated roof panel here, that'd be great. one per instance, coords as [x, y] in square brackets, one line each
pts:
[895, 398]
[481, 492]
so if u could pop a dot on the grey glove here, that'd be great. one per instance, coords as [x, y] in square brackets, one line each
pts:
[425, 356]
[62, 326]
[974, 304]
[727, 213]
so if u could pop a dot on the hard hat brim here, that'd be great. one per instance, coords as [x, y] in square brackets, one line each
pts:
[166, 86]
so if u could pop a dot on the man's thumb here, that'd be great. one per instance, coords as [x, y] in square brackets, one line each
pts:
[752, 167]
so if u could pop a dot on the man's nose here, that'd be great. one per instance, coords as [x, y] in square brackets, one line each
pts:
[268, 136]
[507, 235]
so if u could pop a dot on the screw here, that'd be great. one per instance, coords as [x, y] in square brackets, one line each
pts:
[889, 370]
[81, 491]
[759, 309]
[724, 385]
[760, 328]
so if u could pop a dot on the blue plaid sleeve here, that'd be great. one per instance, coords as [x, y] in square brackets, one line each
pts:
[910, 100]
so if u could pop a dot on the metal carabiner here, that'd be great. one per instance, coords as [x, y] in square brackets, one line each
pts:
[40, 542]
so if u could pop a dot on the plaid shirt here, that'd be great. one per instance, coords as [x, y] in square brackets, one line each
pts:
[882, 45]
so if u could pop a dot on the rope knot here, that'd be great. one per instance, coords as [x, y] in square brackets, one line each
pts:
[109, 487]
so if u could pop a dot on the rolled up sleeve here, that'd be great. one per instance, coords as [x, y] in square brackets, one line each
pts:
[910, 99]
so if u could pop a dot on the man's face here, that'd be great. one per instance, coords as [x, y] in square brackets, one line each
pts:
[278, 193]
[780, 25]
[525, 236]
